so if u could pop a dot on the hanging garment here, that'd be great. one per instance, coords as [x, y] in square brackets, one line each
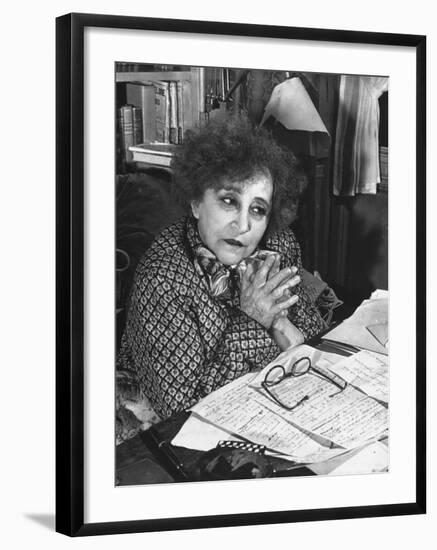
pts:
[356, 159]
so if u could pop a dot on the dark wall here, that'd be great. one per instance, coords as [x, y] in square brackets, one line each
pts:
[344, 238]
[367, 249]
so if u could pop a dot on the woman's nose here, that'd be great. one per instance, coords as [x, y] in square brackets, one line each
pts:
[242, 222]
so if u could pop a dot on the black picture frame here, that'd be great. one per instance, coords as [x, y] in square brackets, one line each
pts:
[70, 240]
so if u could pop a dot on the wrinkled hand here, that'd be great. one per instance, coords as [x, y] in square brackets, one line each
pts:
[287, 292]
[262, 293]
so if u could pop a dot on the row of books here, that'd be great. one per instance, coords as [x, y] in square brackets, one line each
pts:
[130, 129]
[156, 113]
[131, 144]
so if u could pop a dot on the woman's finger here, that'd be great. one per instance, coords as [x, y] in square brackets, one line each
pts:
[261, 275]
[280, 278]
[276, 267]
[282, 298]
[279, 290]
[247, 275]
[286, 304]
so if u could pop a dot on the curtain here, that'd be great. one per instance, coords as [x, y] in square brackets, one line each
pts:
[356, 152]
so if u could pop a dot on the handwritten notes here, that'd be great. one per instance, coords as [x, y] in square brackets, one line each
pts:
[347, 418]
[367, 371]
[325, 416]
[237, 408]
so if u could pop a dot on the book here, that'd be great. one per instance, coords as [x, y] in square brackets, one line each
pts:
[137, 119]
[180, 114]
[126, 128]
[142, 94]
[185, 115]
[173, 137]
[162, 111]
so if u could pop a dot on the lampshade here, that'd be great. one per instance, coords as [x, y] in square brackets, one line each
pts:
[291, 105]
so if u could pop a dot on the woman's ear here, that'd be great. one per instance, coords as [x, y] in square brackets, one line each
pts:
[195, 209]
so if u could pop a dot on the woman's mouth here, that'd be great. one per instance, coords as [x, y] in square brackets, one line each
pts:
[233, 242]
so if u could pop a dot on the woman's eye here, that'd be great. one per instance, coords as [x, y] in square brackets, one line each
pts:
[228, 200]
[259, 211]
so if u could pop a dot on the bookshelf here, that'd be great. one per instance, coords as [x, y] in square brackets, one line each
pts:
[170, 101]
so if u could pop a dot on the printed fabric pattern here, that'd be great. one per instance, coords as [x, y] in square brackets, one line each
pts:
[180, 342]
[223, 280]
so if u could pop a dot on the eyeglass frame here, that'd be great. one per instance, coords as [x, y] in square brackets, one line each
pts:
[292, 374]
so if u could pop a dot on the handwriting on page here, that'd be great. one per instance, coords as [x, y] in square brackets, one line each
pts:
[367, 371]
[347, 418]
[236, 407]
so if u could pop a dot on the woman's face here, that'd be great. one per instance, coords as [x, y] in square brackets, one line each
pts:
[233, 218]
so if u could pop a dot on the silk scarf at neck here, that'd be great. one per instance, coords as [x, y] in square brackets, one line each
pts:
[223, 280]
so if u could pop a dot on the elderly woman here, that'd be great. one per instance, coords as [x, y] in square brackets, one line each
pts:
[218, 294]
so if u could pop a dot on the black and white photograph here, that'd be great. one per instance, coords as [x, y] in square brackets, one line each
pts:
[218, 275]
[252, 335]
[240, 274]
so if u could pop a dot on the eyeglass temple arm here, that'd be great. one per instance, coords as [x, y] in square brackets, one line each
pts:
[332, 377]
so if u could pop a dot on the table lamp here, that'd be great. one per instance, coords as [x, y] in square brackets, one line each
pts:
[291, 105]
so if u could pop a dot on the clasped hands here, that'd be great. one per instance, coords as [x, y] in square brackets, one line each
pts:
[265, 293]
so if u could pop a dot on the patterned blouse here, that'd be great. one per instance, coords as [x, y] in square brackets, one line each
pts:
[180, 342]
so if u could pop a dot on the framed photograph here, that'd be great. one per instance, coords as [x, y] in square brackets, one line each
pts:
[199, 165]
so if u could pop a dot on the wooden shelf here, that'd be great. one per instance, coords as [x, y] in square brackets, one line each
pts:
[148, 76]
[154, 154]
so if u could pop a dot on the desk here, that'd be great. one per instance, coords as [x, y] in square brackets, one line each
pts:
[150, 458]
[140, 460]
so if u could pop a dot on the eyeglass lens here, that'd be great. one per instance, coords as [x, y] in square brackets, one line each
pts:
[275, 375]
[301, 366]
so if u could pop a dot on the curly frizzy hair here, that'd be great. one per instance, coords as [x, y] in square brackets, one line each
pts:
[231, 149]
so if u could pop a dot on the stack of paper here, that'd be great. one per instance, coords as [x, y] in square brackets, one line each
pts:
[367, 328]
[366, 371]
[347, 418]
[326, 424]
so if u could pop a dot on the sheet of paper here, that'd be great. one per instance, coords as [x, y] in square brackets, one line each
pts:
[327, 418]
[380, 332]
[199, 434]
[236, 408]
[367, 371]
[372, 458]
[379, 294]
[347, 418]
[354, 329]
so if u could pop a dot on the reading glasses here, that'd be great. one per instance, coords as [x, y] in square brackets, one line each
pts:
[278, 374]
